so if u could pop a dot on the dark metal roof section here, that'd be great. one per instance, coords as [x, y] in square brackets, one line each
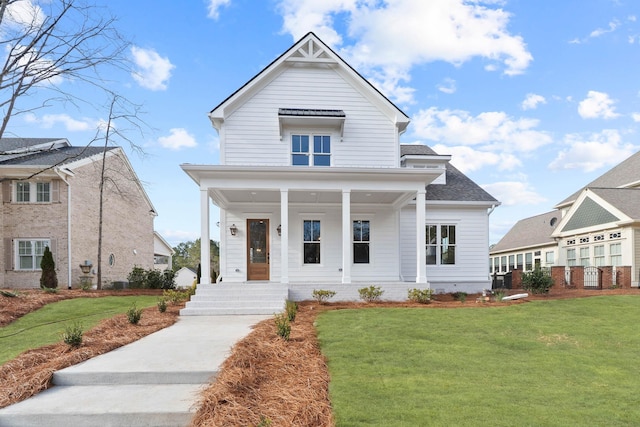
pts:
[54, 157]
[458, 188]
[307, 112]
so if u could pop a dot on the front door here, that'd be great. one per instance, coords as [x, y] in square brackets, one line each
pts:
[258, 249]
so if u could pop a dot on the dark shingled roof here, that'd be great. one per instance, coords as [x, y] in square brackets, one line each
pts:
[12, 144]
[532, 231]
[626, 200]
[308, 112]
[58, 156]
[458, 187]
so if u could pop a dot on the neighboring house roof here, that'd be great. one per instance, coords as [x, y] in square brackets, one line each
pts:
[625, 174]
[458, 186]
[161, 246]
[296, 53]
[529, 232]
[55, 157]
[24, 144]
[627, 200]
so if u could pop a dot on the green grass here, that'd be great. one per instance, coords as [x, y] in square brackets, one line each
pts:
[45, 326]
[549, 363]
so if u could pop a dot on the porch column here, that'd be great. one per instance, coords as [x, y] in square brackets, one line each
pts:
[346, 236]
[284, 237]
[205, 256]
[421, 239]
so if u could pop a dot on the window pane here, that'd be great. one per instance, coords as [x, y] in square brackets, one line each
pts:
[357, 231]
[26, 263]
[361, 253]
[300, 160]
[43, 192]
[431, 254]
[432, 237]
[448, 255]
[312, 253]
[322, 144]
[321, 160]
[22, 191]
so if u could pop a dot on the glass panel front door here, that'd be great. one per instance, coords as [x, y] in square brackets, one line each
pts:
[258, 249]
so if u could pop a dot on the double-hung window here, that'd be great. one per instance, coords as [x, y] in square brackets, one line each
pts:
[571, 257]
[311, 237]
[361, 240]
[310, 150]
[441, 244]
[29, 253]
[598, 255]
[32, 192]
[584, 256]
[615, 254]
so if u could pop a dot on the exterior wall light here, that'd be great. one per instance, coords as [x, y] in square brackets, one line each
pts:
[279, 230]
[233, 229]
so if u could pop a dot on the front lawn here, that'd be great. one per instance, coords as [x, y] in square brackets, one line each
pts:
[551, 363]
[45, 325]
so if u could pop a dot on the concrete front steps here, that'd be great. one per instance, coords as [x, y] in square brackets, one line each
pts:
[237, 298]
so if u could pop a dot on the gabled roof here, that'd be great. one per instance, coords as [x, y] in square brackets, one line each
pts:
[458, 186]
[55, 157]
[308, 50]
[530, 232]
[27, 144]
[625, 174]
[627, 200]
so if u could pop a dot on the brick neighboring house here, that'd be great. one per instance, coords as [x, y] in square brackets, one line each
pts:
[591, 239]
[50, 197]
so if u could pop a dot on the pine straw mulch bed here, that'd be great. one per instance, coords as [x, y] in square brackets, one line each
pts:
[31, 372]
[267, 379]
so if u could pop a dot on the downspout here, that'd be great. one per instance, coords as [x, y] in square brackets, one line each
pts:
[63, 178]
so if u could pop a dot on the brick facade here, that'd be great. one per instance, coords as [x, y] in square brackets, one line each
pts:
[609, 277]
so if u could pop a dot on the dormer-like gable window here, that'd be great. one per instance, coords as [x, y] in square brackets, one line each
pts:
[310, 150]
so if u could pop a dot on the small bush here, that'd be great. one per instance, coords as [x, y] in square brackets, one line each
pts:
[460, 296]
[422, 296]
[134, 314]
[175, 296]
[264, 422]
[72, 335]
[139, 278]
[498, 294]
[537, 281]
[371, 294]
[283, 326]
[291, 307]
[50, 290]
[48, 277]
[322, 295]
[162, 305]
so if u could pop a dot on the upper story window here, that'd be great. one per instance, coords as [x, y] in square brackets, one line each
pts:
[32, 192]
[310, 150]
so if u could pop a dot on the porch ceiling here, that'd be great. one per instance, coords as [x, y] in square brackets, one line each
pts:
[306, 196]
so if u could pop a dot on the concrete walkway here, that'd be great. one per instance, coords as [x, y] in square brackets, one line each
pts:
[154, 381]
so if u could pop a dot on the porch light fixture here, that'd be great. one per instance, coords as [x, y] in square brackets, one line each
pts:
[233, 229]
[279, 229]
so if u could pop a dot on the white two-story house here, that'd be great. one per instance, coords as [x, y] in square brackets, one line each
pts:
[315, 191]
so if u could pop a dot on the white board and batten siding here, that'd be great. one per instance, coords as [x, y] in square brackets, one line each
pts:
[369, 138]
[471, 270]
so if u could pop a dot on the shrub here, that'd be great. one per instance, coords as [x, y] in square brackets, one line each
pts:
[48, 278]
[50, 290]
[264, 422]
[537, 281]
[460, 296]
[136, 278]
[291, 307]
[162, 305]
[151, 279]
[72, 335]
[322, 295]
[134, 314]
[422, 296]
[175, 296]
[283, 326]
[498, 294]
[371, 294]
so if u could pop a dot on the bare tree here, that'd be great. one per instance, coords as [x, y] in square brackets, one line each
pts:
[47, 44]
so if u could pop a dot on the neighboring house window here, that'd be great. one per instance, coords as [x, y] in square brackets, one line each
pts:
[528, 259]
[571, 257]
[361, 236]
[496, 264]
[598, 255]
[615, 252]
[584, 257]
[441, 245]
[311, 242]
[30, 253]
[33, 192]
[519, 258]
[512, 262]
[301, 154]
[112, 260]
[549, 258]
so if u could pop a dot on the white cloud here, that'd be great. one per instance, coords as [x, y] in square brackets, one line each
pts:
[153, 70]
[493, 131]
[388, 41]
[468, 159]
[592, 151]
[514, 193]
[447, 86]
[24, 13]
[178, 139]
[532, 101]
[635, 117]
[214, 7]
[613, 25]
[70, 124]
[597, 105]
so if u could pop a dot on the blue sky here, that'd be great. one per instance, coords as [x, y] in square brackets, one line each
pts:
[533, 99]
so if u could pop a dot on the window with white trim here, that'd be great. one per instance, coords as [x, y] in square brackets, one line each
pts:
[32, 192]
[615, 254]
[311, 241]
[528, 261]
[361, 241]
[571, 257]
[519, 261]
[549, 257]
[310, 150]
[29, 253]
[598, 255]
[441, 244]
[584, 257]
